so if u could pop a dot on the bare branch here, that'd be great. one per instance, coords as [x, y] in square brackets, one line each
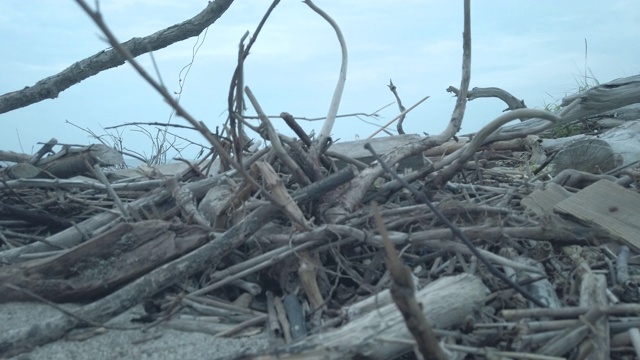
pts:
[325, 132]
[402, 114]
[52, 86]
[461, 103]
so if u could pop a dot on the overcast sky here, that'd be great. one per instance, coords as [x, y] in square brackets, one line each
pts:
[533, 49]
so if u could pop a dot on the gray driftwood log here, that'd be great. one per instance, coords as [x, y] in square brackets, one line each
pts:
[599, 154]
[382, 332]
[66, 163]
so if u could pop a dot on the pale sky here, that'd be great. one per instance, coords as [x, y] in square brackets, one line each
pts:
[533, 49]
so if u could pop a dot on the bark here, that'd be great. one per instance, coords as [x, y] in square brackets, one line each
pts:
[51, 87]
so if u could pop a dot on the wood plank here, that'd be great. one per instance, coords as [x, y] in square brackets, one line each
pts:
[542, 201]
[608, 206]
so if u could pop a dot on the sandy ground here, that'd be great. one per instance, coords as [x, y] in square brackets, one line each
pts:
[155, 343]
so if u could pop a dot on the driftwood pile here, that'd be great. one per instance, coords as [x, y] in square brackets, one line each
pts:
[501, 245]
[302, 255]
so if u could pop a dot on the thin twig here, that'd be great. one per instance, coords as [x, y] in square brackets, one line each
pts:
[401, 107]
[278, 148]
[253, 39]
[398, 117]
[237, 128]
[237, 84]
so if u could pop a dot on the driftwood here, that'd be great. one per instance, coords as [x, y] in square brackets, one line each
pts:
[160, 278]
[52, 86]
[284, 236]
[600, 154]
[99, 265]
[382, 334]
[62, 165]
[27, 278]
[596, 100]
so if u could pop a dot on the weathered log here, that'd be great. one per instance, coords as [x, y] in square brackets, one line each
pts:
[99, 265]
[616, 147]
[355, 149]
[598, 99]
[446, 302]
[66, 163]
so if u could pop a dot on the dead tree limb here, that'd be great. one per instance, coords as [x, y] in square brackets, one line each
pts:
[51, 87]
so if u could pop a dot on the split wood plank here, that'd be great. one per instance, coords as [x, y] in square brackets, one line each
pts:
[542, 201]
[609, 206]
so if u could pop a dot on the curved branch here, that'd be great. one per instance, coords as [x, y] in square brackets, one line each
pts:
[461, 156]
[489, 92]
[363, 181]
[52, 86]
[325, 132]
